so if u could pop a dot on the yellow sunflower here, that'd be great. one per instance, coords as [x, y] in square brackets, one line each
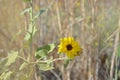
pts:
[70, 47]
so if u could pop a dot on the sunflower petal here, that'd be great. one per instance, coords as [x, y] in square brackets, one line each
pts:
[72, 50]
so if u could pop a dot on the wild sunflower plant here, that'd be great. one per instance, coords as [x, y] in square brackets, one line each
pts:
[67, 45]
[40, 57]
[70, 47]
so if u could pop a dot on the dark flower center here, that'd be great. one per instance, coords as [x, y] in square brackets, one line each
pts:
[69, 47]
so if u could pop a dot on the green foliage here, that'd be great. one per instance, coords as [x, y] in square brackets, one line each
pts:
[39, 13]
[27, 36]
[11, 57]
[26, 10]
[43, 51]
[5, 75]
[32, 29]
[23, 65]
[66, 62]
[30, 33]
[45, 66]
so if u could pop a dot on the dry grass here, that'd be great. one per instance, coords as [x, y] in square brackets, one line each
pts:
[94, 23]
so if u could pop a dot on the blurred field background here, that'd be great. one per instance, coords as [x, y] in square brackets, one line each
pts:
[94, 23]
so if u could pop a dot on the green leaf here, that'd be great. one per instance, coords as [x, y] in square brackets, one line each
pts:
[31, 30]
[44, 51]
[41, 53]
[11, 57]
[24, 77]
[26, 10]
[5, 75]
[45, 66]
[23, 66]
[34, 30]
[27, 36]
[48, 47]
[39, 13]
[66, 62]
